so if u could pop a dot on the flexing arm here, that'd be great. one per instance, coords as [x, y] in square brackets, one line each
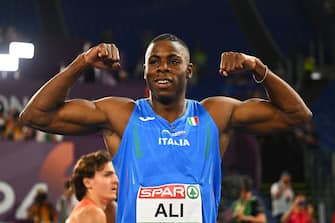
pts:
[284, 107]
[48, 109]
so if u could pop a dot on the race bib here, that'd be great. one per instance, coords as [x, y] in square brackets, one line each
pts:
[169, 203]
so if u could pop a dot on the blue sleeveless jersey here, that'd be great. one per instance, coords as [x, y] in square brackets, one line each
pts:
[155, 152]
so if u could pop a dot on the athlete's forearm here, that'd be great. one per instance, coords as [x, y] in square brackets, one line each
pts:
[282, 95]
[53, 93]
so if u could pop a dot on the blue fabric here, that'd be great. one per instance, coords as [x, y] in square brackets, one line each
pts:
[155, 152]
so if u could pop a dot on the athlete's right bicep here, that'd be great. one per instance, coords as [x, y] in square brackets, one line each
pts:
[72, 118]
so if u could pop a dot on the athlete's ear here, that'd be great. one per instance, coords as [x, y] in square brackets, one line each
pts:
[87, 183]
[144, 73]
[189, 71]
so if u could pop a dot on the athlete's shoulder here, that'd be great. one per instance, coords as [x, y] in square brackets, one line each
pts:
[219, 100]
[220, 109]
[115, 105]
[108, 101]
[87, 212]
[220, 105]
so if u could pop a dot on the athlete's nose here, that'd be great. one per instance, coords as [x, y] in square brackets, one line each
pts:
[163, 67]
[116, 179]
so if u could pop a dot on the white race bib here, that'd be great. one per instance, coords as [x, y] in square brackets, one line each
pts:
[169, 203]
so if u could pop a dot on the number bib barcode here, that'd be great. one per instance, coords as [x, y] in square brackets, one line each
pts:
[169, 203]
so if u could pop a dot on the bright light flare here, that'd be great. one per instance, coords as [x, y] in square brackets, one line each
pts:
[8, 62]
[21, 50]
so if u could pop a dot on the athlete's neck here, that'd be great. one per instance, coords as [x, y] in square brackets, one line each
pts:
[170, 111]
[98, 202]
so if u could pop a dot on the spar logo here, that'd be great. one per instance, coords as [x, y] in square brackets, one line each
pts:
[192, 192]
[169, 203]
[171, 191]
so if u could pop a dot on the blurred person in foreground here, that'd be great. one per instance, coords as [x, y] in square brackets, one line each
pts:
[165, 142]
[95, 185]
[299, 212]
[66, 202]
[248, 208]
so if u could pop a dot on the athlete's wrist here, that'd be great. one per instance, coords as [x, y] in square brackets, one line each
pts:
[260, 72]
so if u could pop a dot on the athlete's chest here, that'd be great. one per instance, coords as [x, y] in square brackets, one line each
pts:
[174, 151]
[156, 131]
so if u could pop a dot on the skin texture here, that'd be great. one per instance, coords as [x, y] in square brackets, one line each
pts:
[167, 68]
[100, 194]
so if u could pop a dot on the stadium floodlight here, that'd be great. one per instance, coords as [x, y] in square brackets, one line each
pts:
[21, 49]
[8, 62]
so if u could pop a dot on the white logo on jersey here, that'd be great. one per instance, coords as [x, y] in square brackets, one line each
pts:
[173, 134]
[173, 142]
[147, 118]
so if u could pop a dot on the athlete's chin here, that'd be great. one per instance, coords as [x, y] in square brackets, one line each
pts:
[112, 197]
[165, 98]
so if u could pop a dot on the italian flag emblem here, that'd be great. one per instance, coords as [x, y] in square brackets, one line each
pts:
[193, 121]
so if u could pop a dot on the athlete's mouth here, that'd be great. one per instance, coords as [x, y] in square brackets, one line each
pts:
[114, 189]
[163, 81]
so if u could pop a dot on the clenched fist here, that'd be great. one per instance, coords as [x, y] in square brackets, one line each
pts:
[236, 62]
[103, 56]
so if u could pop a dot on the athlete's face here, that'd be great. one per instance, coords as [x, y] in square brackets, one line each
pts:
[105, 182]
[167, 69]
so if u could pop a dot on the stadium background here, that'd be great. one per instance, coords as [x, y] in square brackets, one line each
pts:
[284, 34]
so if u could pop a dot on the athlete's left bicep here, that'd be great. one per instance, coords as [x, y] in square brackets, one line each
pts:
[260, 116]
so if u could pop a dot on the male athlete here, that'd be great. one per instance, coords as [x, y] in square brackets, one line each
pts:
[166, 149]
[95, 185]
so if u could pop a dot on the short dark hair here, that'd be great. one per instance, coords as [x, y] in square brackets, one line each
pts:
[247, 183]
[86, 167]
[285, 173]
[170, 37]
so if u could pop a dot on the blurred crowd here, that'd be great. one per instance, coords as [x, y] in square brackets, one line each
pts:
[42, 209]
[242, 202]
[12, 129]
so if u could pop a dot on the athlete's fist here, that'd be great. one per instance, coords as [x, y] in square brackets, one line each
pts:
[103, 56]
[236, 62]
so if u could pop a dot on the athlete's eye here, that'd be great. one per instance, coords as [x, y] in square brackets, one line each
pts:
[174, 62]
[109, 173]
[153, 61]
